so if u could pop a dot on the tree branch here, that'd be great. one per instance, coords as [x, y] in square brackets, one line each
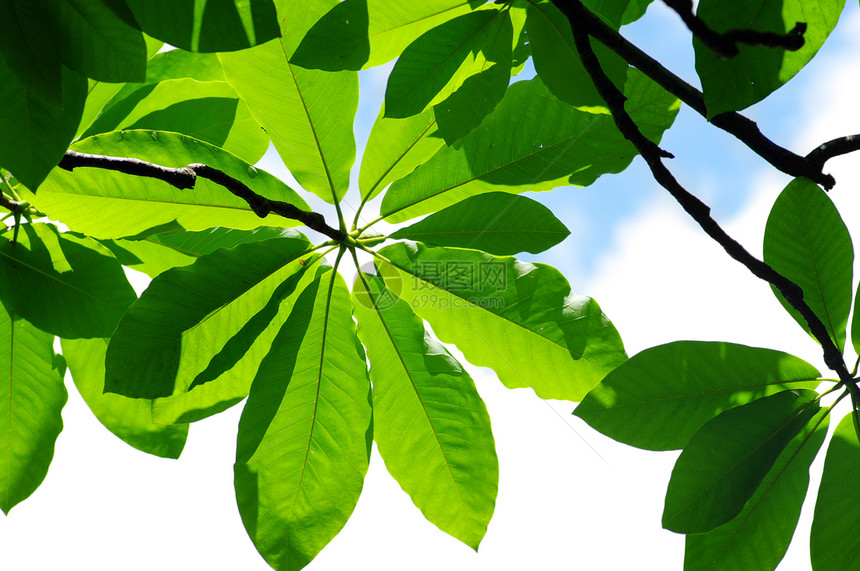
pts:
[698, 210]
[186, 177]
[736, 124]
[833, 148]
[725, 45]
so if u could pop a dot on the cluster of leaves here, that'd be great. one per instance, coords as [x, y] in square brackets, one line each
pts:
[748, 419]
[239, 310]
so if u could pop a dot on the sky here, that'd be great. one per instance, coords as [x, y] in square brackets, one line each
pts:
[569, 498]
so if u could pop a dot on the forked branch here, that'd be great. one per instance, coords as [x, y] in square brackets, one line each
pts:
[698, 210]
[738, 125]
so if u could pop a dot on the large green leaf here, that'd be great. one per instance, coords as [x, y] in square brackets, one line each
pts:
[64, 284]
[660, 397]
[806, 241]
[519, 319]
[32, 394]
[307, 113]
[35, 132]
[29, 43]
[305, 434]
[436, 64]
[497, 223]
[209, 111]
[463, 65]
[201, 26]
[109, 204]
[532, 141]
[733, 83]
[432, 428]
[98, 39]
[834, 543]
[727, 459]
[211, 397]
[481, 91]
[161, 66]
[394, 148]
[158, 253]
[557, 62]
[129, 419]
[357, 34]
[196, 323]
[758, 537]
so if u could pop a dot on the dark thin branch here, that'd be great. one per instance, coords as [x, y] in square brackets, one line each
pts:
[741, 127]
[725, 45]
[186, 178]
[697, 209]
[181, 178]
[833, 148]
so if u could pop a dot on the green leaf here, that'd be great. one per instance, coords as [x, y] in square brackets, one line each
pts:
[519, 319]
[660, 397]
[735, 83]
[357, 34]
[206, 396]
[161, 66]
[497, 223]
[758, 537]
[834, 543]
[36, 132]
[522, 49]
[158, 253]
[98, 39]
[129, 419]
[806, 241]
[532, 141]
[109, 204]
[307, 113]
[430, 425]
[195, 323]
[179, 64]
[200, 26]
[611, 11]
[209, 111]
[64, 284]
[635, 10]
[479, 94]
[29, 43]
[439, 62]
[32, 394]
[727, 459]
[557, 62]
[305, 434]
[394, 148]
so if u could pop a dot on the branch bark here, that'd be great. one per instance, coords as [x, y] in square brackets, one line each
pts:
[578, 16]
[186, 177]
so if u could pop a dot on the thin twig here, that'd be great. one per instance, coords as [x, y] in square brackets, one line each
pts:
[186, 178]
[698, 210]
[725, 44]
[738, 125]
